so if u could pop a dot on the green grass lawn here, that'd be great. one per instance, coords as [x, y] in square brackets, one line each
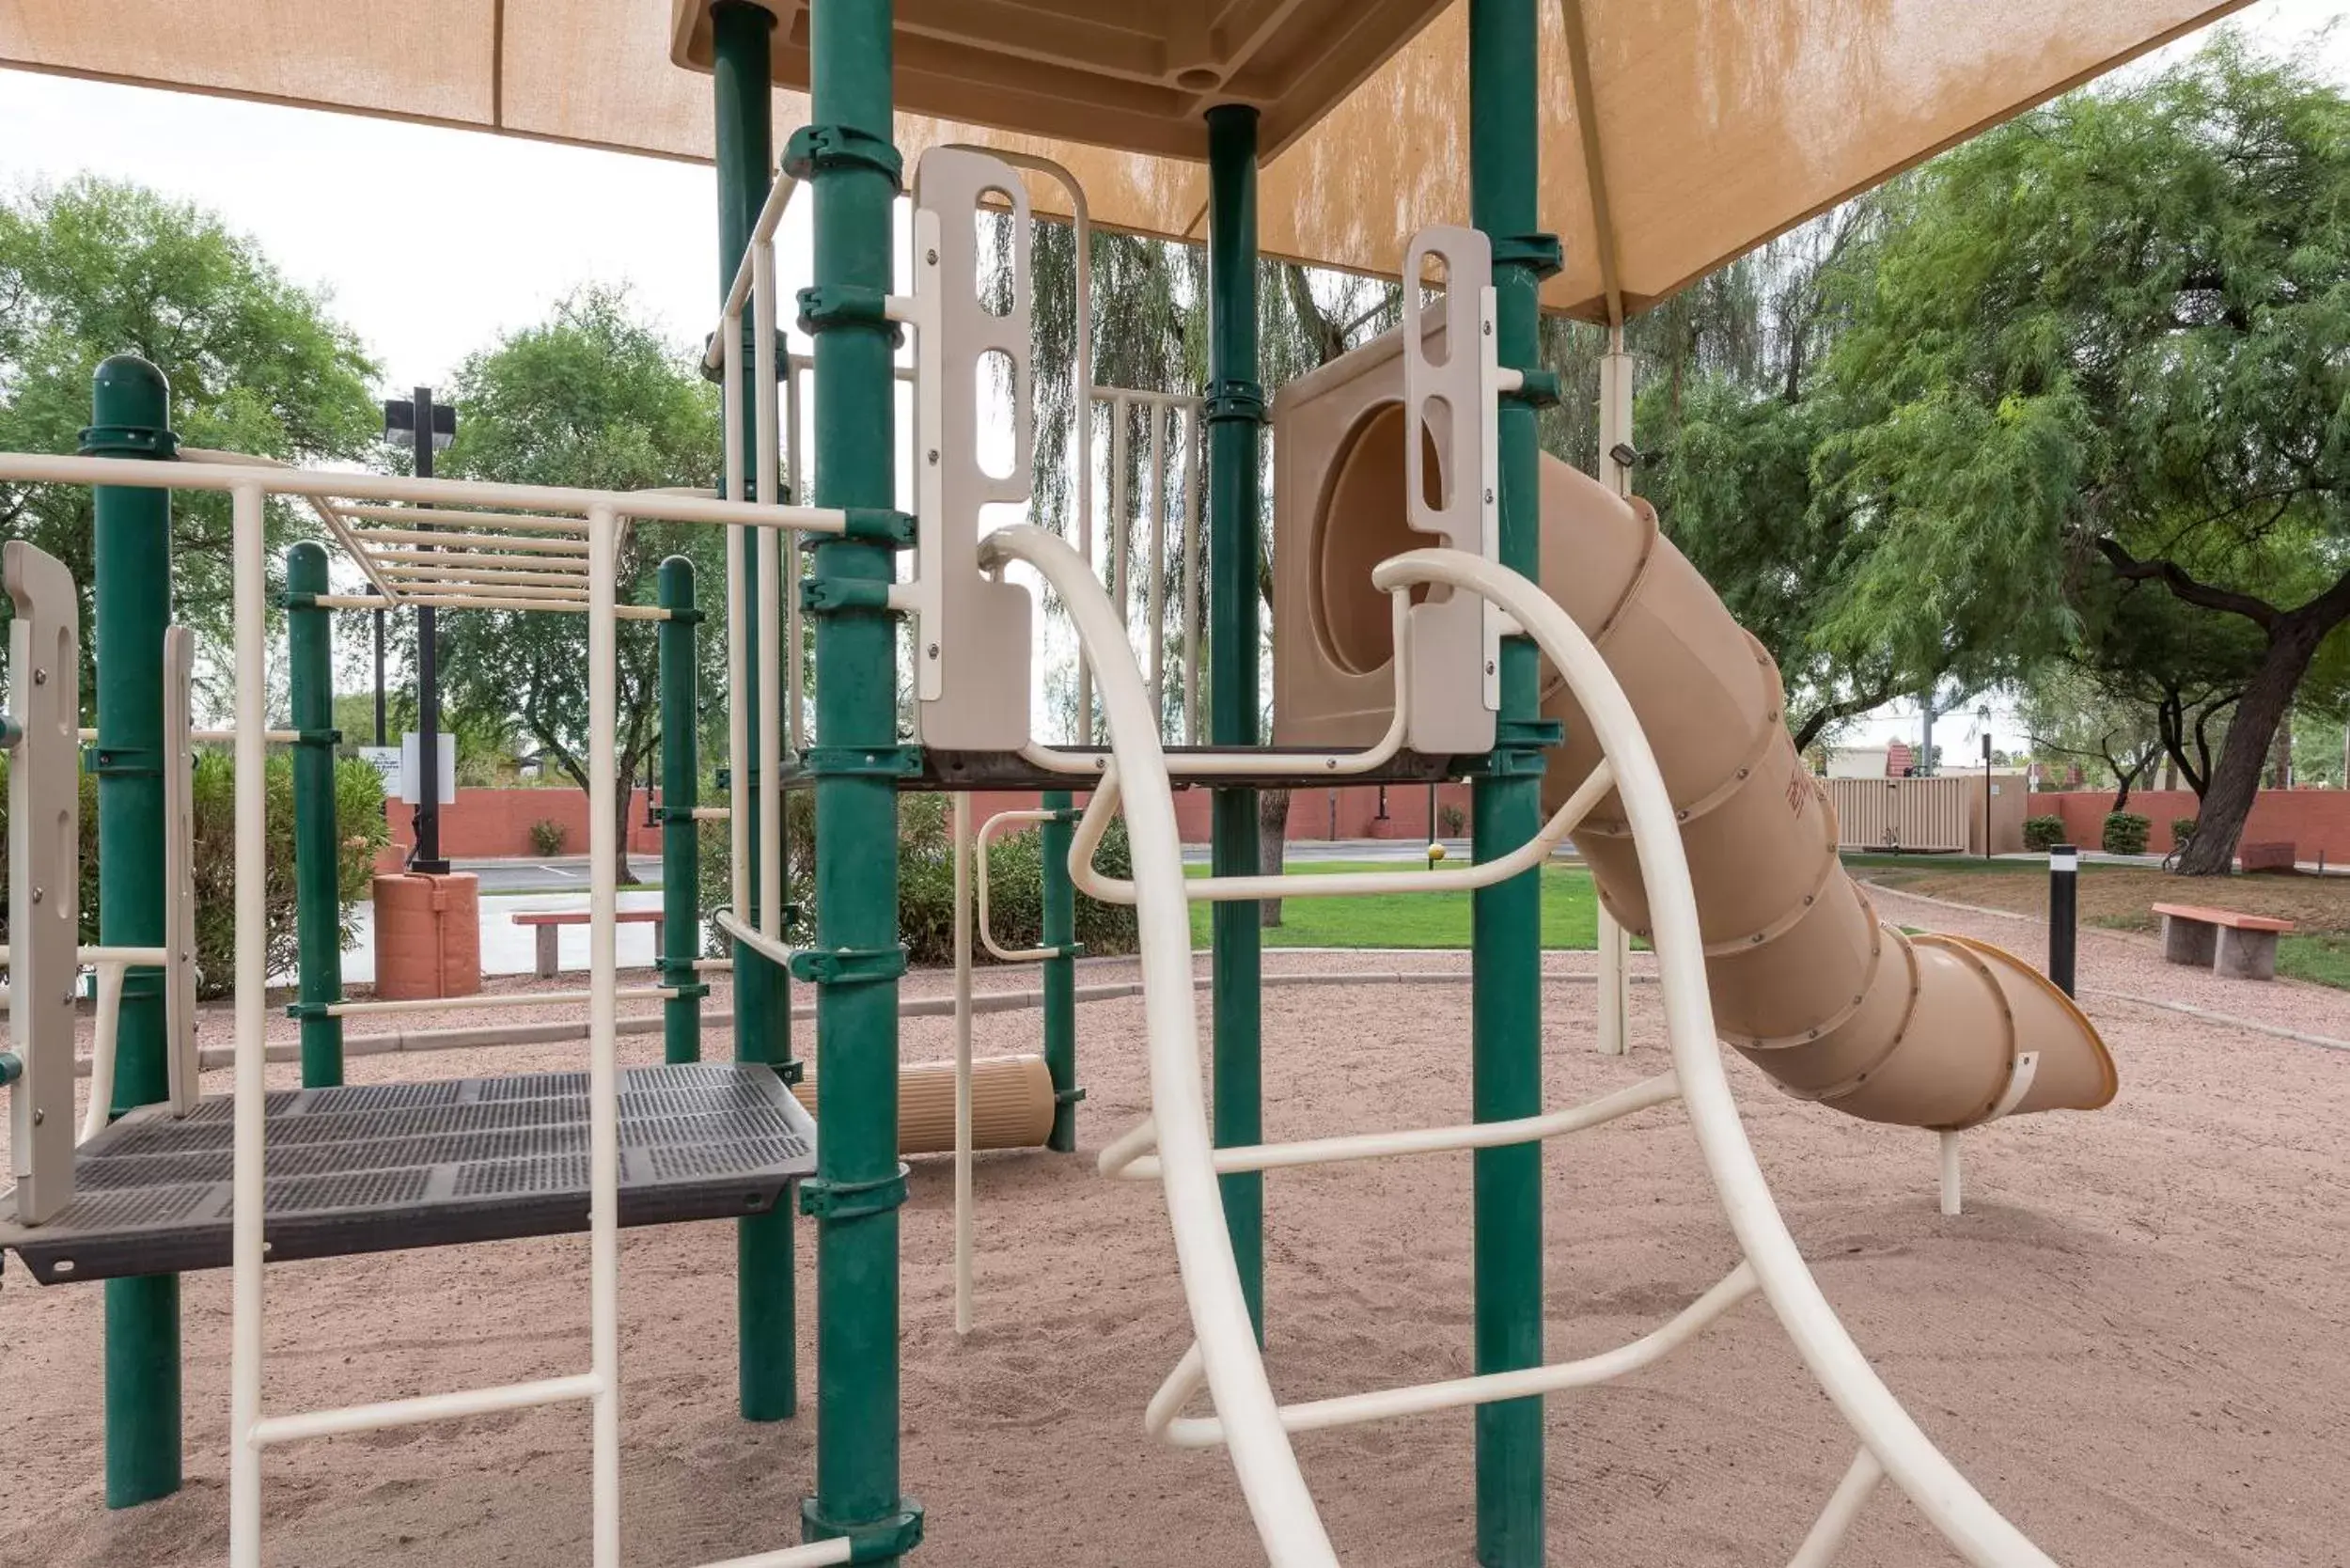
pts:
[2325, 959]
[1570, 914]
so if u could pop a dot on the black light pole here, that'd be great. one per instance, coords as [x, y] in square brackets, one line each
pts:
[1983, 714]
[428, 425]
[378, 670]
[2064, 867]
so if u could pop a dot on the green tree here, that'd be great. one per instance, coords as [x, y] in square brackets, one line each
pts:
[593, 396]
[257, 365]
[2103, 344]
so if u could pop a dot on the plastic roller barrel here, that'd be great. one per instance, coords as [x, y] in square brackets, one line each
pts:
[1011, 1104]
[1836, 1007]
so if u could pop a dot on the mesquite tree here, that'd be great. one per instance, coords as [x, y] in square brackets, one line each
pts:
[2105, 346]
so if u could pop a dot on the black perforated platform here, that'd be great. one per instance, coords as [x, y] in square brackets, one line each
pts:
[381, 1166]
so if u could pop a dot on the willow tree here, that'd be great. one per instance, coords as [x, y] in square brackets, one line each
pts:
[2110, 343]
[1150, 333]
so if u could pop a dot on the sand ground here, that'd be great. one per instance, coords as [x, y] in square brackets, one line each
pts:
[2134, 1341]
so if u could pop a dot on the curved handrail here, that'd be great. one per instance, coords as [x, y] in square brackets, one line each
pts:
[1278, 1502]
[1961, 1513]
[980, 843]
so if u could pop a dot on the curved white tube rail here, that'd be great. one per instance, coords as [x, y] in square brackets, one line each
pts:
[1278, 1503]
[1225, 1359]
[987, 830]
[1947, 1499]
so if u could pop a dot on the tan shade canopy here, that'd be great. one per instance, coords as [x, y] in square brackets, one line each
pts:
[1705, 127]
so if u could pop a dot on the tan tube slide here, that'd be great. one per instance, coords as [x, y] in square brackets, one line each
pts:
[1921, 1031]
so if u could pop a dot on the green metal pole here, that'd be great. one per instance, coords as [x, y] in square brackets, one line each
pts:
[317, 891]
[1060, 972]
[680, 847]
[1506, 919]
[765, 1313]
[129, 416]
[854, 171]
[1235, 409]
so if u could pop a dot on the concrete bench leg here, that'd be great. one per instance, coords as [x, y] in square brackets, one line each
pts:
[548, 935]
[2193, 942]
[2245, 955]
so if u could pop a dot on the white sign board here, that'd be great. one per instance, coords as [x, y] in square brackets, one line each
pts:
[410, 776]
[385, 760]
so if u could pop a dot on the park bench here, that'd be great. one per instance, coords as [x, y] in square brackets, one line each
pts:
[2243, 947]
[549, 923]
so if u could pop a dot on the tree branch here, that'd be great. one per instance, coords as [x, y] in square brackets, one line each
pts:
[2187, 587]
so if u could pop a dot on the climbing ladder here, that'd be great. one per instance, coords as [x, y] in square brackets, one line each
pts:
[1174, 1143]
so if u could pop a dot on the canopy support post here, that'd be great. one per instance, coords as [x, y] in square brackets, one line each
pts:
[1059, 932]
[766, 1311]
[859, 1184]
[681, 836]
[1234, 410]
[1506, 918]
[129, 416]
[318, 882]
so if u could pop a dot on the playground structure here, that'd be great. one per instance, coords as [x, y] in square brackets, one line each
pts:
[1459, 647]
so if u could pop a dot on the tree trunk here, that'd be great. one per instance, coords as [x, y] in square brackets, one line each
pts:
[1273, 831]
[2234, 782]
[627, 877]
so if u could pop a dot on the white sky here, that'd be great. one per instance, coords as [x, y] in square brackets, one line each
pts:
[431, 243]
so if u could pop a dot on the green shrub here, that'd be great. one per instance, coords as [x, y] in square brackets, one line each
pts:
[2043, 833]
[2126, 833]
[358, 815]
[1451, 822]
[548, 836]
[926, 880]
[2181, 829]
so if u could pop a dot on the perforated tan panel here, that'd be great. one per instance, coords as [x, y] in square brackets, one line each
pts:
[1717, 123]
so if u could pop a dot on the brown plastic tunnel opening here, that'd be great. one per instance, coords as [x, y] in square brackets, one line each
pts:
[1361, 522]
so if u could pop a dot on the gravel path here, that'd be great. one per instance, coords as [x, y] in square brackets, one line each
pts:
[2136, 1341]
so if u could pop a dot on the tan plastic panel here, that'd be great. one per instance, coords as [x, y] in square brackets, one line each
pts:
[1132, 75]
[973, 645]
[1716, 125]
[1011, 1104]
[1923, 1031]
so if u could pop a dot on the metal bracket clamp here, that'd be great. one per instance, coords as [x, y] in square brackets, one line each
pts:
[1069, 1097]
[1539, 251]
[821, 1199]
[850, 307]
[327, 738]
[124, 761]
[868, 525]
[1234, 400]
[861, 761]
[843, 595]
[1535, 389]
[813, 148]
[849, 965]
[792, 1071]
[137, 441]
[891, 1537]
[716, 375]
[687, 991]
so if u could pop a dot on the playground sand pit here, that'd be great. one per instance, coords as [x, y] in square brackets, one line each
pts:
[2132, 1341]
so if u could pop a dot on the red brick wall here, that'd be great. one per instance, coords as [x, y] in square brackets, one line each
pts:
[487, 824]
[2315, 822]
[1352, 812]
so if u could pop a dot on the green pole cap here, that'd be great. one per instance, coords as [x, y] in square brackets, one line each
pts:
[130, 410]
[305, 568]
